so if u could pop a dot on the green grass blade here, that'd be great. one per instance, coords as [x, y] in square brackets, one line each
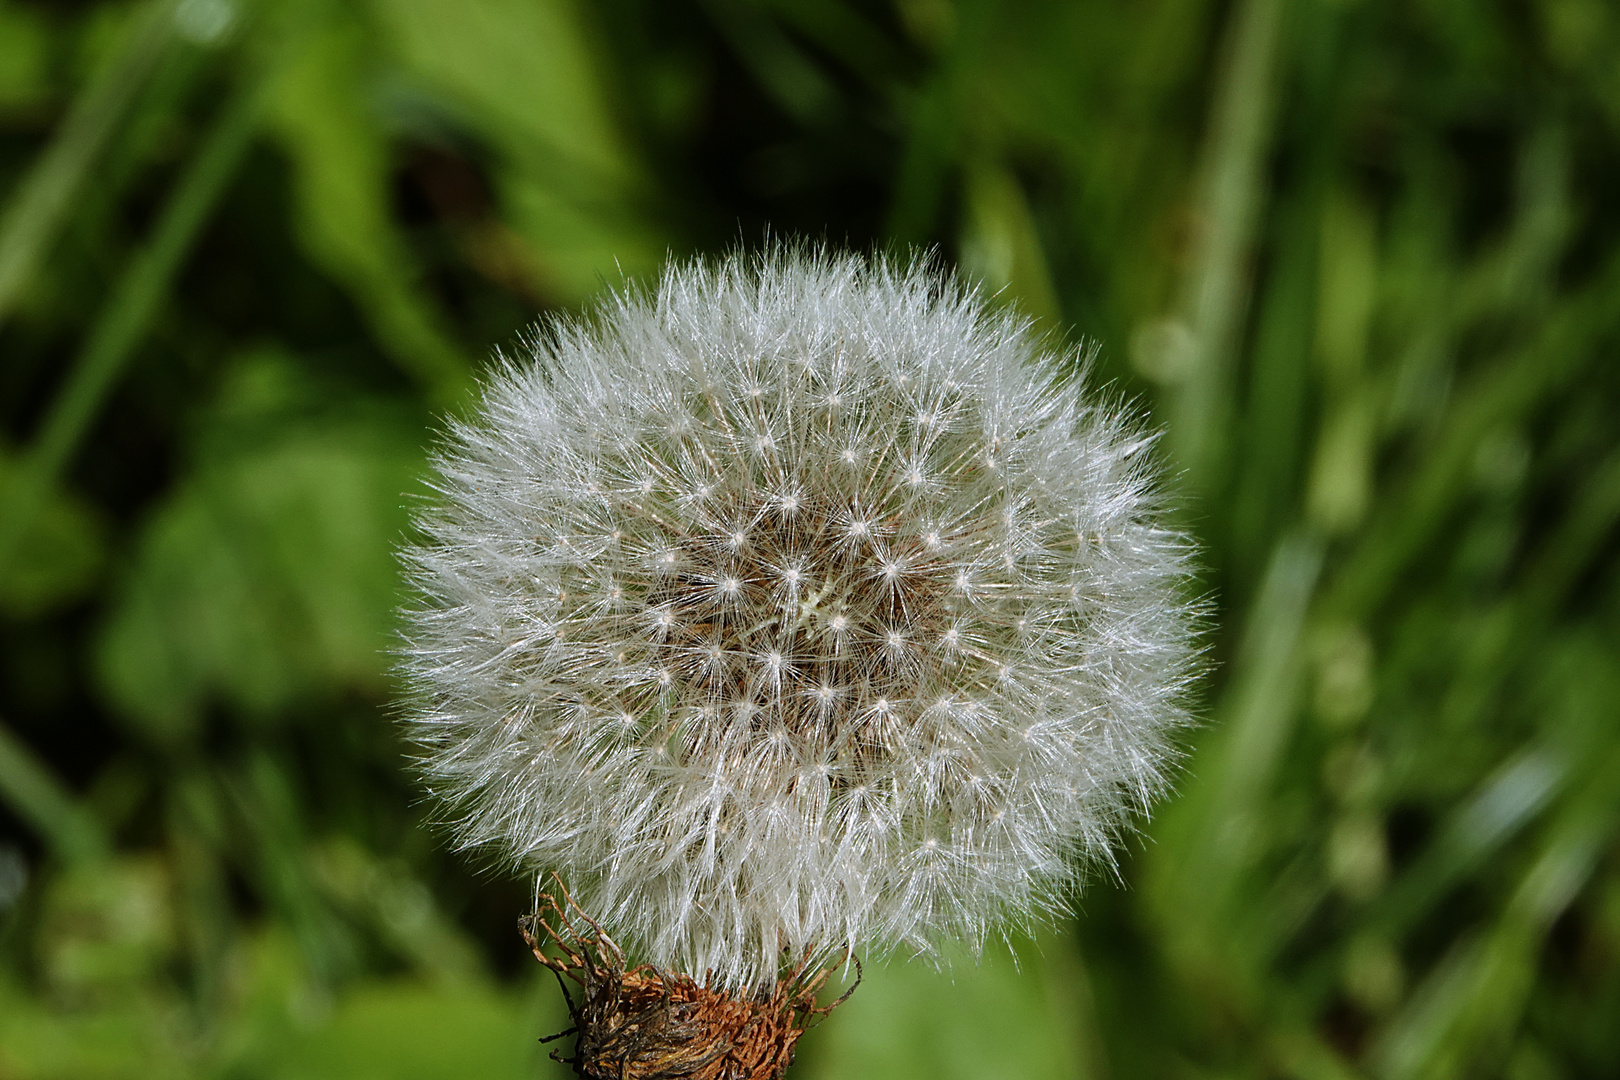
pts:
[1229, 209]
[125, 319]
[40, 204]
[1210, 838]
[1500, 395]
[36, 795]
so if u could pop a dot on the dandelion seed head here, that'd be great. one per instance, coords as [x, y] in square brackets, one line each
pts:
[862, 624]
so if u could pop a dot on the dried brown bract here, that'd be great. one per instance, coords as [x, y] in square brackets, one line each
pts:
[645, 1023]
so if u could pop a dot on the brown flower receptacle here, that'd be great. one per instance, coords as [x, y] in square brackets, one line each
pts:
[644, 1023]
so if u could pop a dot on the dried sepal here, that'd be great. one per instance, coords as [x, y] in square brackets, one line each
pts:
[644, 1023]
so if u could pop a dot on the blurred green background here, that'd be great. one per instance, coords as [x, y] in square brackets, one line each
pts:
[1360, 259]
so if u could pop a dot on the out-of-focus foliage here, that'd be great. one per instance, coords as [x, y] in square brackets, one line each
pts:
[1360, 258]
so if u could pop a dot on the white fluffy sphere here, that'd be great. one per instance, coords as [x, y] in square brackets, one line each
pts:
[801, 604]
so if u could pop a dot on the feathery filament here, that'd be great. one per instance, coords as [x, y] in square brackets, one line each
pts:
[801, 604]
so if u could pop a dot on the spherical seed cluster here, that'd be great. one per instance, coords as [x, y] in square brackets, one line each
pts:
[802, 604]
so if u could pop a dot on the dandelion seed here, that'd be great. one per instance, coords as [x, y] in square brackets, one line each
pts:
[781, 622]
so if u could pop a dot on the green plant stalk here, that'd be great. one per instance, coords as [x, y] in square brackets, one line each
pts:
[1199, 868]
[1228, 212]
[34, 793]
[126, 318]
[40, 203]
[1509, 389]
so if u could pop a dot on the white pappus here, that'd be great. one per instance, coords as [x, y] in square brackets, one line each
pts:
[802, 603]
